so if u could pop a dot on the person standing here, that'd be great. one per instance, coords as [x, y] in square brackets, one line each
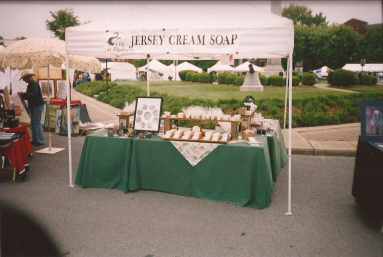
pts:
[35, 106]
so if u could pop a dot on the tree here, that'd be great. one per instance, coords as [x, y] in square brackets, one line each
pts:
[301, 15]
[333, 46]
[371, 47]
[60, 20]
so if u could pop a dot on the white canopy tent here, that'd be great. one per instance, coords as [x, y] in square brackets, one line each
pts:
[244, 67]
[219, 67]
[174, 70]
[202, 32]
[188, 66]
[156, 70]
[121, 70]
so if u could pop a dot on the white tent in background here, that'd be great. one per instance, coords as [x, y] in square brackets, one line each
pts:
[157, 70]
[121, 70]
[174, 70]
[188, 66]
[322, 72]
[219, 67]
[368, 67]
[208, 31]
[244, 67]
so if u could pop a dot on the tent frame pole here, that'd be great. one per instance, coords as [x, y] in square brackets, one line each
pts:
[48, 112]
[69, 121]
[286, 97]
[290, 70]
[147, 78]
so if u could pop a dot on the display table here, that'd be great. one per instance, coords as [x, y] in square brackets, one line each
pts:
[236, 173]
[368, 177]
[19, 150]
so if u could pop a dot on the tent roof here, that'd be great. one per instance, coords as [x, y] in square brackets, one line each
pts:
[154, 65]
[188, 66]
[244, 67]
[260, 34]
[220, 67]
[197, 16]
[119, 66]
[371, 67]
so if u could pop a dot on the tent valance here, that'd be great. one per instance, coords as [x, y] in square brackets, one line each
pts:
[171, 33]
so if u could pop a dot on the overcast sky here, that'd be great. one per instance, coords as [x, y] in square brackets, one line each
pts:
[28, 18]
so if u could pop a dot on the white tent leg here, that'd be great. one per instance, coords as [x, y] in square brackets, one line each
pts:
[286, 97]
[69, 122]
[290, 65]
[49, 100]
[147, 83]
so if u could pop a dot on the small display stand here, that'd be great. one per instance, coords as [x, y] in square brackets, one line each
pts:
[124, 118]
[234, 124]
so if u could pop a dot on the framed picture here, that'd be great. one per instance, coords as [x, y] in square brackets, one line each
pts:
[372, 119]
[46, 88]
[147, 115]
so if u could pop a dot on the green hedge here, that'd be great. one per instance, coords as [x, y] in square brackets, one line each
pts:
[264, 80]
[308, 79]
[322, 110]
[342, 78]
[276, 81]
[365, 79]
[204, 77]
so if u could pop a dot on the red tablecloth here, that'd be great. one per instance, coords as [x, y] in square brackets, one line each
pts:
[18, 151]
[62, 102]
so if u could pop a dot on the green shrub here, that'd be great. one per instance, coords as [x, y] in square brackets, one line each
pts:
[212, 77]
[189, 75]
[277, 81]
[315, 111]
[95, 87]
[228, 78]
[203, 77]
[365, 79]
[295, 81]
[239, 80]
[264, 80]
[342, 77]
[308, 79]
[182, 75]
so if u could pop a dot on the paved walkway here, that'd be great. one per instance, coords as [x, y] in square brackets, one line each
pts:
[323, 140]
[325, 86]
[101, 222]
[98, 111]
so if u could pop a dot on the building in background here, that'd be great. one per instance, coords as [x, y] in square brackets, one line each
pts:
[357, 25]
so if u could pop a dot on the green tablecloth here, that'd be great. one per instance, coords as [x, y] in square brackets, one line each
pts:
[236, 173]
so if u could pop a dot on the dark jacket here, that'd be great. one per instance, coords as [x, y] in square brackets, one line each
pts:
[34, 95]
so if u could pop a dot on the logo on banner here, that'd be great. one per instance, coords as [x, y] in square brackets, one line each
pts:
[118, 42]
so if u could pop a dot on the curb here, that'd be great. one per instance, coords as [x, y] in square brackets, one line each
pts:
[323, 152]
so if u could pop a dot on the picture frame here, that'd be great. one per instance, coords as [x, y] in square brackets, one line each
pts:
[147, 117]
[372, 119]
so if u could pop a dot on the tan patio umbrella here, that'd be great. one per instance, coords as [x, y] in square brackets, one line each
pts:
[35, 53]
[44, 52]
[84, 63]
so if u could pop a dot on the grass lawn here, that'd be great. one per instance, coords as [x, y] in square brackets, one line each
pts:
[195, 90]
[366, 89]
